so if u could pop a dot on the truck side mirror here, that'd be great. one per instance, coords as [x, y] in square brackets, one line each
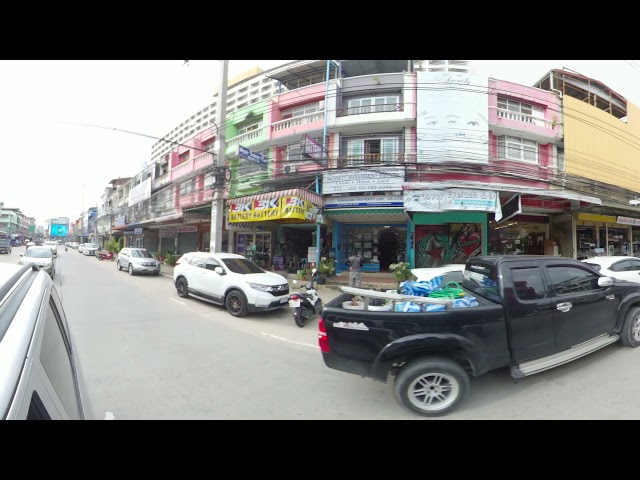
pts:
[605, 281]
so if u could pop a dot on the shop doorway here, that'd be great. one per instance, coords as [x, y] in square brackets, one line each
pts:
[388, 243]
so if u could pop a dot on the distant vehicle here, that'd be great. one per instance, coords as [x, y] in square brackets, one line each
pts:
[231, 281]
[89, 249]
[80, 247]
[5, 242]
[53, 246]
[137, 260]
[41, 256]
[40, 374]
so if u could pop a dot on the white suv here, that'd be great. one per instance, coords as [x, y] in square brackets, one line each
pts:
[230, 280]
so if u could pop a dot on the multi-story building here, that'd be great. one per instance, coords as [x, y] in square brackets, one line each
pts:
[397, 159]
[13, 221]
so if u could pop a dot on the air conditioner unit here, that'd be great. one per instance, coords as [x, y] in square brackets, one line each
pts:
[291, 168]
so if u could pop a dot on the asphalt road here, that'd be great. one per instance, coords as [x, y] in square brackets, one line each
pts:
[149, 354]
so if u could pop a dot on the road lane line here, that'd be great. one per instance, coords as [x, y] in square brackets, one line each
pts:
[290, 341]
[177, 301]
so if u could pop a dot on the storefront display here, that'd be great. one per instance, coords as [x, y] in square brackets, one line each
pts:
[518, 237]
[381, 245]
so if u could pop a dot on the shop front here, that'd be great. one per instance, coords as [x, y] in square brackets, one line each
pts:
[520, 235]
[274, 229]
[598, 235]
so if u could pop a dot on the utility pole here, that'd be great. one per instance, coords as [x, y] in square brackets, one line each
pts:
[217, 205]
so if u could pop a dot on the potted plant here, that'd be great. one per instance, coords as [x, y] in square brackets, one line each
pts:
[402, 271]
[326, 268]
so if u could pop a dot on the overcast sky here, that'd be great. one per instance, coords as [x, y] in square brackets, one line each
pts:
[46, 165]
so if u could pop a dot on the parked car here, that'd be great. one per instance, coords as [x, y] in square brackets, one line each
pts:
[231, 281]
[53, 246]
[621, 267]
[530, 314]
[41, 256]
[137, 260]
[89, 249]
[80, 247]
[41, 376]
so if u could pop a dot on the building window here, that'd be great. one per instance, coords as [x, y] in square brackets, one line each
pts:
[301, 110]
[185, 157]
[249, 127]
[372, 105]
[187, 187]
[515, 148]
[208, 146]
[372, 151]
[523, 112]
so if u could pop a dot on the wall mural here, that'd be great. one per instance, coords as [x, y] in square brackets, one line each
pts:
[438, 245]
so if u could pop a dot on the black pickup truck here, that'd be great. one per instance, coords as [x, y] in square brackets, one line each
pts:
[534, 313]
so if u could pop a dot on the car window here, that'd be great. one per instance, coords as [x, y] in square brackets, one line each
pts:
[482, 279]
[569, 280]
[595, 266]
[141, 254]
[241, 266]
[39, 253]
[621, 266]
[527, 283]
[198, 262]
[124, 251]
[37, 410]
[55, 358]
[211, 264]
[635, 265]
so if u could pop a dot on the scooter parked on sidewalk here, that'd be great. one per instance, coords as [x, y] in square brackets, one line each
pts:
[104, 255]
[306, 305]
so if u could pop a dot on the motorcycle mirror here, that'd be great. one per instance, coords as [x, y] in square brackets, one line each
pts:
[314, 270]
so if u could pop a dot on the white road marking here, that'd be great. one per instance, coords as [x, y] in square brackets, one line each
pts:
[290, 341]
[109, 416]
[177, 301]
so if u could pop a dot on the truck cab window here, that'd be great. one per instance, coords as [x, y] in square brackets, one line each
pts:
[568, 280]
[527, 283]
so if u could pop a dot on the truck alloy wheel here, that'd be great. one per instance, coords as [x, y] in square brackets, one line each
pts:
[630, 334]
[431, 387]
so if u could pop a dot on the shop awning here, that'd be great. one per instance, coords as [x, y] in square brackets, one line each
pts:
[307, 195]
[532, 192]
[166, 218]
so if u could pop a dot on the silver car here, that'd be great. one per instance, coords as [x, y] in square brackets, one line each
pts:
[40, 374]
[89, 249]
[42, 256]
[137, 260]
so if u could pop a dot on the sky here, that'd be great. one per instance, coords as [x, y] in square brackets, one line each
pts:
[49, 168]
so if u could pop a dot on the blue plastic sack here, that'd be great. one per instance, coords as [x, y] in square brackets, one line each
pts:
[422, 288]
[466, 301]
[414, 307]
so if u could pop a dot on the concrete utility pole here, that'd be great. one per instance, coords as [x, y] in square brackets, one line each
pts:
[217, 205]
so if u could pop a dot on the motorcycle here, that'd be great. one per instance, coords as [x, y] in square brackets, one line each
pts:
[103, 255]
[306, 305]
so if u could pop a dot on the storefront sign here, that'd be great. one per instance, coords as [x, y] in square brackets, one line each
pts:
[128, 232]
[628, 221]
[120, 221]
[460, 199]
[369, 179]
[187, 229]
[596, 218]
[168, 233]
[364, 201]
[253, 156]
[286, 208]
[137, 231]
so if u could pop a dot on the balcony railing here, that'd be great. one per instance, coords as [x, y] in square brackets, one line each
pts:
[387, 107]
[161, 180]
[297, 121]
[245, 137]
[524, 118]
[370, 159]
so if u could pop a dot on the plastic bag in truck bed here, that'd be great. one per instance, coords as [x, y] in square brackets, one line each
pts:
[427, 288]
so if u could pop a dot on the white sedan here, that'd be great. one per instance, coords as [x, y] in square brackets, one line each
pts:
[620, 267]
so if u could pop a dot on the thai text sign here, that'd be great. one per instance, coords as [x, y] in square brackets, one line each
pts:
[460, 199]
[274, 208]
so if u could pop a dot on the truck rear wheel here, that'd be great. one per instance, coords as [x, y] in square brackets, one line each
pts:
[630, 334]
[431, 387]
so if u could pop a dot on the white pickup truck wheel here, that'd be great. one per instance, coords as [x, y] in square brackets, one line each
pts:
[431, 387]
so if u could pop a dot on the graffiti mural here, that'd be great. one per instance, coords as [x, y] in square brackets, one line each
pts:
[438, 245]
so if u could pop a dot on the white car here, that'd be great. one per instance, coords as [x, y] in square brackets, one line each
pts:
[620, 267]
[450, 273]
[52, 245]
[230, 280]
[80, 247]
[89, 249]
